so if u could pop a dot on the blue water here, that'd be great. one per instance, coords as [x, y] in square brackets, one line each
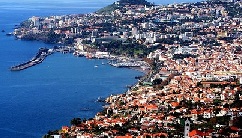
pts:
[47, 96]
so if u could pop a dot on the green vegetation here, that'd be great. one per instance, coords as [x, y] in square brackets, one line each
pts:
[76, 121]
[182, 56]
[134, 2]
[114, 6]
[108, 9]
[118, 47]
[47, 37]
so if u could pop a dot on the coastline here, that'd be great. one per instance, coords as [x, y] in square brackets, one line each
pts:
[194, 82]
[132, 68]
[30, 78]
[146, 73]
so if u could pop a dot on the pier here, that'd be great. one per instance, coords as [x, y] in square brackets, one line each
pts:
[40, 56]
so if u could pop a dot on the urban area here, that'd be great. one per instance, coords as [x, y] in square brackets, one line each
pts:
[191, 54]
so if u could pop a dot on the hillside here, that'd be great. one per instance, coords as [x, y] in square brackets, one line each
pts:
[121, 3]
[134, 2]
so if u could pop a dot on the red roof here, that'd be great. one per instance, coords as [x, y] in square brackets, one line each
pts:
[152, 107]
[234, 128]
[123, 137]
[198, 133]
[174, 104]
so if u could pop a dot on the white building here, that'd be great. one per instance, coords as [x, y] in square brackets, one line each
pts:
[187, 129]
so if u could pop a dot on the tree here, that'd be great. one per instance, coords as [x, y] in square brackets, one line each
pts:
[157, 81]
[76, 121]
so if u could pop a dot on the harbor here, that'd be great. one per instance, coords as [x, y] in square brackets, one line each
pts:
[116, 61]
[122, 62]
[39, 58]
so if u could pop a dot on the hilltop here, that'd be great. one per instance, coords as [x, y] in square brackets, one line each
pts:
[121, 3]
[134, 2]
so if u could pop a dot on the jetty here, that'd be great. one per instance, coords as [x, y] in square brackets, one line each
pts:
[38, 58]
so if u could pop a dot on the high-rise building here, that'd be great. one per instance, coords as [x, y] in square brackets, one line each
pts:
[35, 20]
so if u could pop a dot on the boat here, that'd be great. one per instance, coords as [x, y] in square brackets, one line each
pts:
[129, 86]
[101, 99]
[138, 77]
[9, 34]
[96, 66]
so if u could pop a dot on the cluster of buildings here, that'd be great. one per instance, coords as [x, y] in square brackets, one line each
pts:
[198, 62]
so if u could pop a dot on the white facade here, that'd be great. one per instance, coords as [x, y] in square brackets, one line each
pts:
[187, 128]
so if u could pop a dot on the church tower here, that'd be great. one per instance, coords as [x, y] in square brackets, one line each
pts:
[187, 128]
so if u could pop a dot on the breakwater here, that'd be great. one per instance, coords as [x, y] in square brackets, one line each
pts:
[38, 58]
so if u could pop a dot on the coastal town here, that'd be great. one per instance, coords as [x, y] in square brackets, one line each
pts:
[192, 87]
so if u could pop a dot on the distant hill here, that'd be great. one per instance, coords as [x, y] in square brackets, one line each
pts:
[108, 9]
[134, 2]
[121, 3]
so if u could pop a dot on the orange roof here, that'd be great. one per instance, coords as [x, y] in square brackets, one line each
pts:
[160, 134]
[123, 137]
[174, 104]
[65, 127]
[196, 132]
[234, 128]
[142, 109]
[152, 107]
[196, 99]
[114, 131]
[194, 111]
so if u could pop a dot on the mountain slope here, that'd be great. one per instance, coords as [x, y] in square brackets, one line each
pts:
[121, 3]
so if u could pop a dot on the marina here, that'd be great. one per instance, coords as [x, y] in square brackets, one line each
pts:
[125, 64]
[115, 61]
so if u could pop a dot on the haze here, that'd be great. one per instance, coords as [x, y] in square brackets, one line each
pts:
[103, 1]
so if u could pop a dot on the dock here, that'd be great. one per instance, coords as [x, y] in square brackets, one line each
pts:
[38, 58]
[125, 64]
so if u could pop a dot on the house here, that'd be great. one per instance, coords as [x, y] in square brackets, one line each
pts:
[198, 134]
[174, 104]
[123, 137]
[223, 112]
[207, 114]
[84, 136]
[56, 136]
[151, 108]
[65, 129]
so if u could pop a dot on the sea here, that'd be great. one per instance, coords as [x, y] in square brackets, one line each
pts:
[47, 96]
